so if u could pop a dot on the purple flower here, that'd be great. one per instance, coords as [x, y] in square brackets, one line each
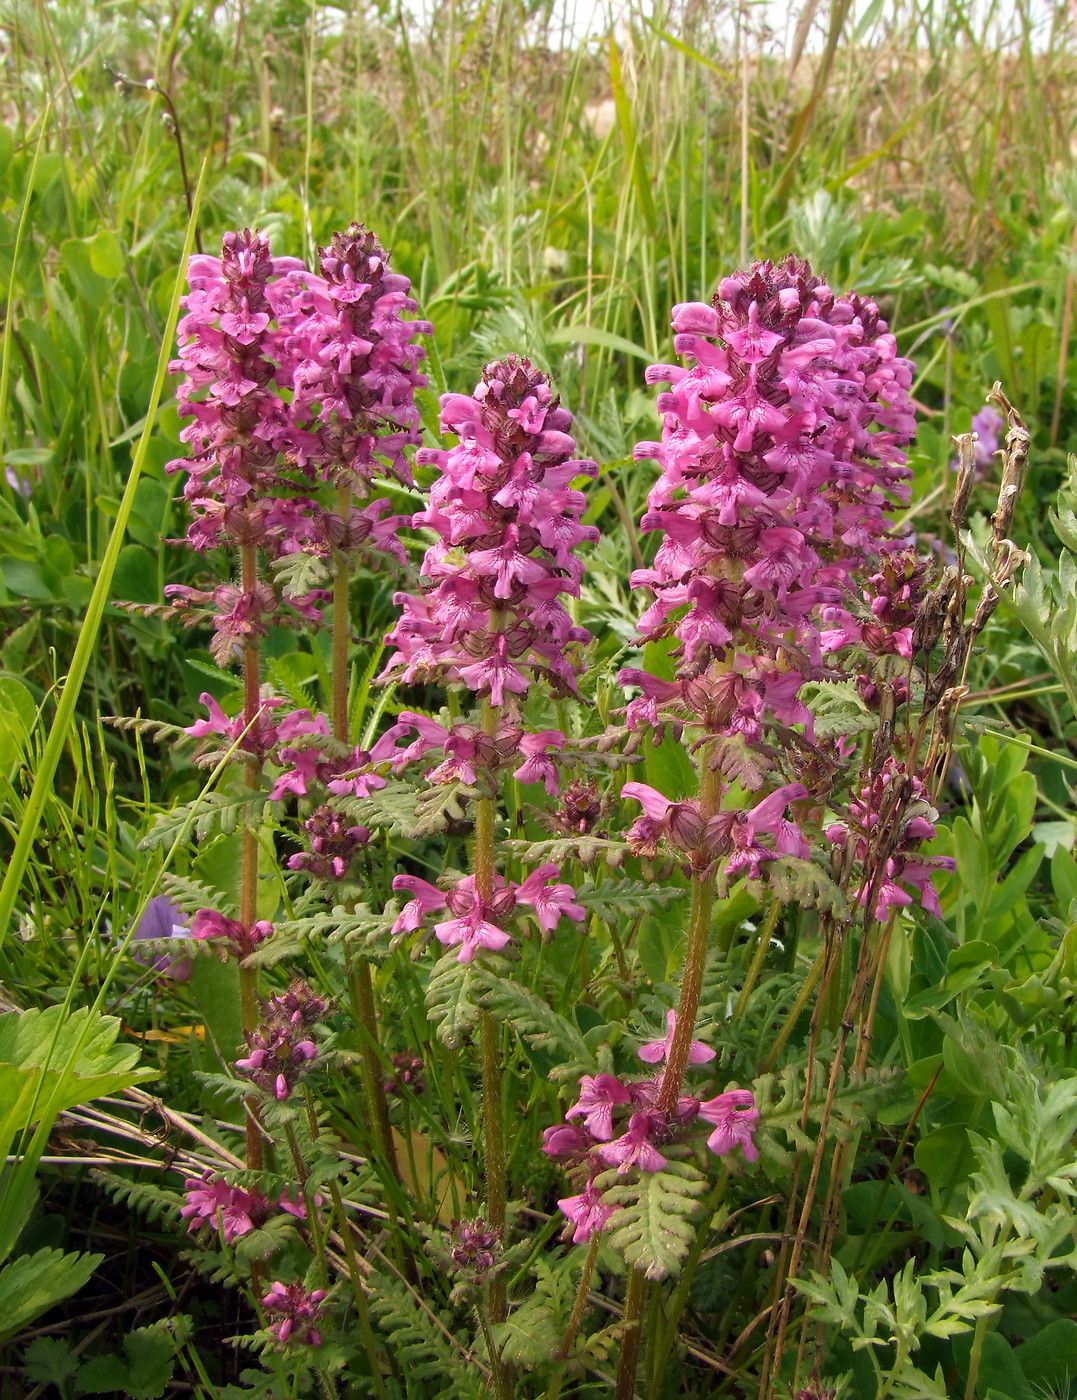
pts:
[297, 1311]
[987, 425]
[549, 902]
[635, 1148]
[735, 1117]
[211, 926]
[782, 452]
[655, 1051]
[600, 1094]
[508, 523]
[231, 1209]
[280, 1050]
[162, 919]
[349, 358]
[909, 815]
[586, 1213]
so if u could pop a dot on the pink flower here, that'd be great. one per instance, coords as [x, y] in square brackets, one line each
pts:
[600, 1094]
[655, 1051]
[549, 902]
[635, 1148]
[735, 1117]
[587, 1213]
[297, 1311]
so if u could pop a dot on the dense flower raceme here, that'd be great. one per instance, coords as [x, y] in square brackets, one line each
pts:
[231, 1209]
[350, 360]
[280, 1049]
[507, 521]
[292, 379]
[893, 809]
[296, 1311]
[621, 1128]
[782, 452]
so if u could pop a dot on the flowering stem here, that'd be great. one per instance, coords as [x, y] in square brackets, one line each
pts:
[695, 961]
[360, 982]
[581, 1300]
[635, 1295]
[341, 627]
[502, 1388]
[350, 1256]
[361, 986]
[248, 879]
[490, 1042]
[309, 1202]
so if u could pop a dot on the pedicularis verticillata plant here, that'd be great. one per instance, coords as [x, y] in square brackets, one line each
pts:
[793, 668]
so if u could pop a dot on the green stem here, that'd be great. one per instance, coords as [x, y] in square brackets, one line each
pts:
[341, 628]
[313, 1222]
[695, 960]
[248, 877]
[502, 1388]
[635, 1296]
[766, 933]
[493, 1129]
[361, 987]
[361, 1308]
[795, 1011]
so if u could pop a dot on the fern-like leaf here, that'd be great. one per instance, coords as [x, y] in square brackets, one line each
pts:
[538, 1023]
[451, 1003]
[652, 1225]
[210, 814]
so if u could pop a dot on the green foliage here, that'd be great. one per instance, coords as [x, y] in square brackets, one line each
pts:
[531, 1017]
[653, 1224]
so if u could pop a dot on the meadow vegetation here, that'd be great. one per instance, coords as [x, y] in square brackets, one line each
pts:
[890, 1209]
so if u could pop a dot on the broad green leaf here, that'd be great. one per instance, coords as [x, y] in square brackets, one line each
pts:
[33, 1283]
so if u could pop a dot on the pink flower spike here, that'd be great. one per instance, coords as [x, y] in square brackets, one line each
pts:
[735, 1117]
[655, 1051]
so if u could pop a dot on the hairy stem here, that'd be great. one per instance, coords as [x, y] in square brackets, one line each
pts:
[635, 1296]
[341, 628]
[695, 960]
[248, 878]
[352, 1259]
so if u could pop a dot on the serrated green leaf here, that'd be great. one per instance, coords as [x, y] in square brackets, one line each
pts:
[33, 1283]
[652, 1225]
[538, 1023]
[451, 1003]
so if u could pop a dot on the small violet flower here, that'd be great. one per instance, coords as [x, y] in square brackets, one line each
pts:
[297, 1310]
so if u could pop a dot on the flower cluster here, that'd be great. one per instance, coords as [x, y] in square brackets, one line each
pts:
[732, 833]
[507, 521]
[885, 824]
[474, 1249]
[230, 1209]
[292, 380]
[280, 1049]
[351, 364]
[623, 1128]
[297, 1310]
[479, 923]
[781, 455]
